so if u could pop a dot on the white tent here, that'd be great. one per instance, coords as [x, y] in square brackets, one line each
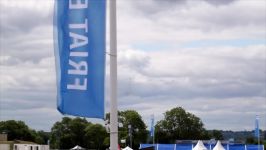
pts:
[200, 146]
[127, 148]
[218, 146]
[77, 148]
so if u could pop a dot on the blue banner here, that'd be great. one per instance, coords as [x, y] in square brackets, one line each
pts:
[257, 130]
[80, 56]
[152, 126]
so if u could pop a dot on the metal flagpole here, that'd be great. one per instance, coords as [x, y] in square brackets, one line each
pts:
[113, 78]
[259, 141]
[258, 130]
[153, 137]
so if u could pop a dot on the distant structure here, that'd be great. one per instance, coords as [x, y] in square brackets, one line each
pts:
[30, 147]
[230, 141]
[201, 145]
[19, 145]
[3, 137]
[3, 142]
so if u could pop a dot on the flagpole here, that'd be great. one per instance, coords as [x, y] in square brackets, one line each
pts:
[259, 141]
[113, 78]
[153, 137]
[257, 130]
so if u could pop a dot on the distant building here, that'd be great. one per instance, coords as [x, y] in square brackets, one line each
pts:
[30, 147]
[3, 137]
[21, 145]
[4, 144]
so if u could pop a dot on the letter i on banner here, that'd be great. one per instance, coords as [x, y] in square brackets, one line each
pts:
[79, 38]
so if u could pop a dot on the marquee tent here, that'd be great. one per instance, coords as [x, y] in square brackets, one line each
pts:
[77, 148]
[218, 146]
[127, 148]
[200, 146]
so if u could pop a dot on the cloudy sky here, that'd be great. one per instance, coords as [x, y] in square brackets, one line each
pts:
[207, 56]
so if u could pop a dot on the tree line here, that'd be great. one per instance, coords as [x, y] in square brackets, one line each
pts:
[177, 124]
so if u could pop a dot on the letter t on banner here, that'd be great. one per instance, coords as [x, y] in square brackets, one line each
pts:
[80, 56]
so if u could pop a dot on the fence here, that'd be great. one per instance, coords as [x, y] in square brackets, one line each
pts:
[208, 146]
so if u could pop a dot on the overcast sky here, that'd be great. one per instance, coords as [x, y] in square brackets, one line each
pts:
[207, 56]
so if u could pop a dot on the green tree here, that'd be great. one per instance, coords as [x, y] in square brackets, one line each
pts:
[44, 137]
[138, 127]
[96, 135]
[69, 133]
[179, 124]
[40, 137]
[250, 140]
[216, 134]
[17, 130]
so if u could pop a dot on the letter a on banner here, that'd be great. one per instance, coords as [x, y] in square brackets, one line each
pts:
[80, 56]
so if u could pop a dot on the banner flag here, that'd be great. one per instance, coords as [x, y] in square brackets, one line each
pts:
[257, 130]
[152, 126]
[79, 37]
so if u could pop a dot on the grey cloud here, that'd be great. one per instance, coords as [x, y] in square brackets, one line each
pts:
[9, 61]
[148, 8]
[220, 2]
[197, 21]
[20, 104]
[22, 21]
[34, 106]
[31, 98]
[241, 111]
[213, 112]
[26, 34]
[193, 90]
[206, 75]
[33, 46]
[151, 7]
[135, 60]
